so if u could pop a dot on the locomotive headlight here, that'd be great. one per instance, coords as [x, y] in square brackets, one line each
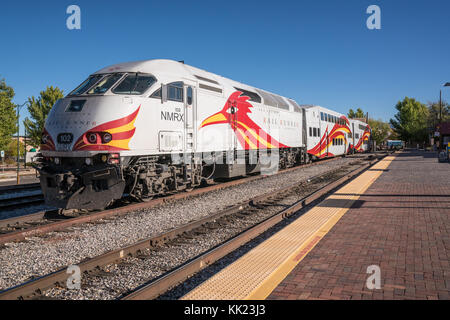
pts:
[57, 160]
[114, 158]
[104, 158]
[44, 138]
[88, 161]
[92, 137]
[107, 137]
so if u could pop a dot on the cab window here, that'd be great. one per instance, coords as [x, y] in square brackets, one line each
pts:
[134, 83]
[175, 91]
[156, 94]
[104, 84]
[89, 82]
[189, 95]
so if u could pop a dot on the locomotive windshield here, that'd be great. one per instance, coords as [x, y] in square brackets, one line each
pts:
[86, 85]
[97, 84]
[105, 83]
[134, 83]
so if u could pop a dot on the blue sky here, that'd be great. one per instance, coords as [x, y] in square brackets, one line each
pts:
[317, 52]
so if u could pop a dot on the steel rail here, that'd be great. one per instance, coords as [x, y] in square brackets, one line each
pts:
[20, 201]
[16, 221]
[20, 187]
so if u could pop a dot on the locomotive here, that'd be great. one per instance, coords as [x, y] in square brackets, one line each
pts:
[152, 127]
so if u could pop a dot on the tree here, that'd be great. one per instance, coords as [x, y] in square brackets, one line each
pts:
[380, 130]
[434, 112]
[11, 151]
[8, 118]
[410, 122]
[39, 109]
[358, 114]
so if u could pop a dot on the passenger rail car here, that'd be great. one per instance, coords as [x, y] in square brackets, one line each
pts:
[333, 134]
[150, 127]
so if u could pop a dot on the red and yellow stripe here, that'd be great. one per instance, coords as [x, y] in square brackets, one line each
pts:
[49, 145]
[121, 130]
[338, 131]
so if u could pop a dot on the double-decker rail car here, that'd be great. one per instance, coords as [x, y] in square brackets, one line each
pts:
[328, 132]
[361, 136]
[150, 127]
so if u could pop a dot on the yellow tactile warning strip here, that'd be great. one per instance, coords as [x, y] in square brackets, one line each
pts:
[256, 274]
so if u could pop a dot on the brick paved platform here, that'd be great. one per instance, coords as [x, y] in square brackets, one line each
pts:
[401, 224]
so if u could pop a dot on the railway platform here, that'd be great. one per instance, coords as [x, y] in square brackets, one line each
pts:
[384, 235]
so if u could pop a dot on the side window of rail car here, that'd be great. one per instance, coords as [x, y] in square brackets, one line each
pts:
[156, 94]
[189, 95]
[175, 91]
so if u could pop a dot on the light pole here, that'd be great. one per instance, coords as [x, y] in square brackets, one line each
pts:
[447, 84]
[25, 149]
[18, 141]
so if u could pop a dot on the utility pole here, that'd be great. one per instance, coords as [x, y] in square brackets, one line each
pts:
[18, 141]
[18, 145]
[25, 150]
[447, 84]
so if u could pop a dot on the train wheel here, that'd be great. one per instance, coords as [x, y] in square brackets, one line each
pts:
[146, 199]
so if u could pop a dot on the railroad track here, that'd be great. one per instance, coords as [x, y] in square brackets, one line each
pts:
[21, 201]
[19, 196]
[159, 285]
[19, 187]
[21, 227]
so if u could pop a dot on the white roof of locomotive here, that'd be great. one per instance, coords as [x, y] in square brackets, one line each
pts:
[163, 67]
[158, 66]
